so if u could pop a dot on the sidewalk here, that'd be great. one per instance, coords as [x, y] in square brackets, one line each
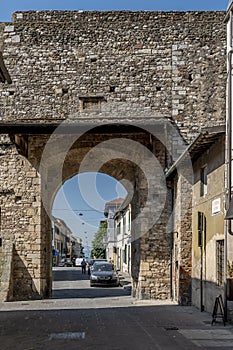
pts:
[125, 280]
[193, 324]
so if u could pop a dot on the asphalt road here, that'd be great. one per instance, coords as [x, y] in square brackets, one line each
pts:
[80, 317]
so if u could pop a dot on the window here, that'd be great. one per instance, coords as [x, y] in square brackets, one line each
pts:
[220, 261]
[129, 220]
[125, 255]
[201, 230]
[118, 228]
[124, 223]
[203, 189]
[91, 102]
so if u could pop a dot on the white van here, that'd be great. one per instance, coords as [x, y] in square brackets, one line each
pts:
[78, 262]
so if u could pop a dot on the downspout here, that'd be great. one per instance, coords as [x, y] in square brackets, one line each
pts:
[171, 245]
[201, 277]
[229, 150]
[171, 190]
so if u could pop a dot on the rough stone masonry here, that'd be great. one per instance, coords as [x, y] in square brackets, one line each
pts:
[94, 68]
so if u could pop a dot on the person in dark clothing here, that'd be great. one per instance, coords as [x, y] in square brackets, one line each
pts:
[84, 264]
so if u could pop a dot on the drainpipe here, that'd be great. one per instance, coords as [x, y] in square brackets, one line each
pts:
[201, 279]
[229, 151]
[171, 190]
[171, 245]
[201, 230]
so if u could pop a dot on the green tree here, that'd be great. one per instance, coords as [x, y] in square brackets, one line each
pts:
[99, 250]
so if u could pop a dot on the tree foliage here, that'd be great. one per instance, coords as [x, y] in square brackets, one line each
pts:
[99, 250]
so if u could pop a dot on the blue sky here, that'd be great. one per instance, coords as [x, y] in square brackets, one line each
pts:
[9, 6]
[70, 202]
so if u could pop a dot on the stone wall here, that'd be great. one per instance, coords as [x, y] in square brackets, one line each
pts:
[172, 63]
[182, 239]
[150, 237]
[23, 273]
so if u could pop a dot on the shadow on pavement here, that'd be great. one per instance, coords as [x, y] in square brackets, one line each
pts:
[69, 274]
[98, 292]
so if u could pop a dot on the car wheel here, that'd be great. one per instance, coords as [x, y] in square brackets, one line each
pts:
[91, 285]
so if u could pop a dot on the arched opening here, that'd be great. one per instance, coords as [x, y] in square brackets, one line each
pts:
[79, 205]
[78, 213]
[137, 159]
[130, 155]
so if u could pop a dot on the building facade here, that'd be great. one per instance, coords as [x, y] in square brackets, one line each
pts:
[61, 239]
[64, 244]
[207, 276]
[110, 239]
[122, 224]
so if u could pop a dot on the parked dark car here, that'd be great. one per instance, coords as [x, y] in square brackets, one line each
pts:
[103, 274]
[91, 262]
[69, 263]
[65, 263]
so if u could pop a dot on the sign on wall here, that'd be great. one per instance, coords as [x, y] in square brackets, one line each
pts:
[216, 206]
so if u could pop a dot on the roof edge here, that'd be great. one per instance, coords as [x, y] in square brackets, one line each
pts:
[221, 129]
[229, 9]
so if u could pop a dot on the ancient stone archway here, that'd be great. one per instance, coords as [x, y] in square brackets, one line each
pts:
[50, 161]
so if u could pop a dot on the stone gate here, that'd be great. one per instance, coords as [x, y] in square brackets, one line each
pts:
[141, 84]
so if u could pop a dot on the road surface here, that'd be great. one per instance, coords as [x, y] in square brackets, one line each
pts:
[80, 317]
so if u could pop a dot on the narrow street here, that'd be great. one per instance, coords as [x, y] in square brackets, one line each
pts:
[80, 317]
[70, 283]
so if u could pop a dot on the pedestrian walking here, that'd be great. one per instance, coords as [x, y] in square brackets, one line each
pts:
[83, 264]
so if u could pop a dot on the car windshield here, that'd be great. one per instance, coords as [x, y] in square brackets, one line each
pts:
[103, 267]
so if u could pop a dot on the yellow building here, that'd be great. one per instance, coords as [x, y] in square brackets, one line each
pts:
[198, 227]
[208, 213]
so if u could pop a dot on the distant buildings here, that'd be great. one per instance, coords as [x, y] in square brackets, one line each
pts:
[118, 239]
[65, 245]
[110, 240]
[122, 224]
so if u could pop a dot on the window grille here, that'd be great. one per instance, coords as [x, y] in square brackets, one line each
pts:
[220, 261]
